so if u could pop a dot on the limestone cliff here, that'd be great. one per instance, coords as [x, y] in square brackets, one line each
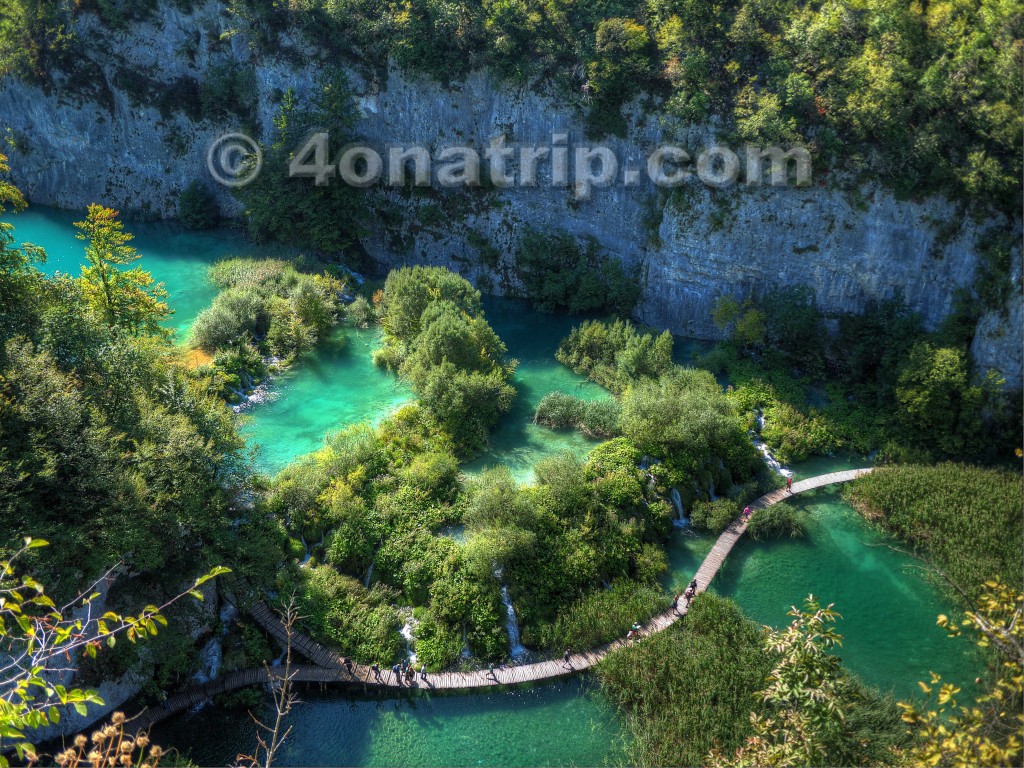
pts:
[111, 147]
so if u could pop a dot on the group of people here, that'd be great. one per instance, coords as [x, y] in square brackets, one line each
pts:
[688, 595]
[404, 672]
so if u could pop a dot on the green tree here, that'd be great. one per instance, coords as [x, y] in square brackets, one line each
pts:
[813, 712]
[941, 405]
[127, 299]
[41, 640]
[991, 731]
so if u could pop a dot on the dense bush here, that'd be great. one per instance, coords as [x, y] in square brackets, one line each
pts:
[268, 303]
[285, 208]
[887, 383]
[197, 208]
[616, 354]
[774, 522]
[560, 274]
[602, 616]
[109, 448]
[337, 609]
[377, 498]
[594, 418]
[436, 337]
[691, 687]
[685, 418]
[965, 519]
[713, 516]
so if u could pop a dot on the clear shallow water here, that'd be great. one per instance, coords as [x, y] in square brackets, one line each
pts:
[532, 338]
[337, 388]
[889, 606]
[562, 723]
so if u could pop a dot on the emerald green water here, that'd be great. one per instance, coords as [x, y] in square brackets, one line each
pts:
[336, 389]
[555, 724]
[532, 338]
[888, 604]
[889, 608]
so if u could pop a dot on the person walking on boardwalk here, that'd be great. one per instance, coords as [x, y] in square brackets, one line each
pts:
[397, 672]
[376, 671]
[566, 658]
[490, 672]
[423, 672]
[789, 483]
[348, 665]
[746, 513]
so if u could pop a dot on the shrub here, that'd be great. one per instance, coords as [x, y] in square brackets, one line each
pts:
[602, 616]
[360, 312]
[774, 522]
[561, 275]
[713, 516]
[361, 622]
[595, 418]
[437, 338]
[689, 688]
[197, 208]
[616, 354]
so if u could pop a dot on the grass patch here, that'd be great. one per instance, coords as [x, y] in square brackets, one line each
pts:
[774, 522]
[965, 519]
[691, 687]
[603, 616]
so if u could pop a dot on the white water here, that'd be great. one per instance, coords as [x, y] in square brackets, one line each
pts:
[515, 648]
[409, 633]
[680, 520]
[212, 654]
[766, 452]
[209, 661]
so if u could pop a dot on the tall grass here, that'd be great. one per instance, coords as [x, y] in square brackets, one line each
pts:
[964, 519]
[594, 418]
[602, 616]
[694, 686]
[775, 522]
[691, 687]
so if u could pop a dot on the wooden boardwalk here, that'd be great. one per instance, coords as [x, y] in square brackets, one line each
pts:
[328, 666]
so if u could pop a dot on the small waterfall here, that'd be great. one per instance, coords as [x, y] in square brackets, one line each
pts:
[762, 446]
[466, 653]
[369, 571]
[212, 654]
[680, 520]
[677, 502]
[210, 658]
[515, 648]
[409, 633]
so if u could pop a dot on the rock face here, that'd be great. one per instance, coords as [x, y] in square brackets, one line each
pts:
[851, 249]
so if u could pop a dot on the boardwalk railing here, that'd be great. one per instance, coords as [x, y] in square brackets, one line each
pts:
[328, 666]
